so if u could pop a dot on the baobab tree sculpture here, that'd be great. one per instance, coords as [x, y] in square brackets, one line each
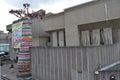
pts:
[25, 13]
[24, 62]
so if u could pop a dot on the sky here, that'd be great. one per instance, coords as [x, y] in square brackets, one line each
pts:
[54, 6]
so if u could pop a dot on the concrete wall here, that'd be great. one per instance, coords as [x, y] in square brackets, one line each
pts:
[54, 22]
[65, 63]
[71, 18]
[48, 23]
[73, 63]
[78, 63]
[72, 36]
[95, 11]
[38, 29]
[39, 42]
[40, 37]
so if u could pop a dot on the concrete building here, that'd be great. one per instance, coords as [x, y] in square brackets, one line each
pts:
[13, 52]
[66, 28]
[4, 42]
[93, 27]
[3, 38]
[40, 37]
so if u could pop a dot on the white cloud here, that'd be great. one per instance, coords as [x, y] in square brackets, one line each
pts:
[60, 5]
[55, 7]
[5, 17]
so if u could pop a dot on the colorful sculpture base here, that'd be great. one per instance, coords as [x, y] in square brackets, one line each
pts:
[24, 63]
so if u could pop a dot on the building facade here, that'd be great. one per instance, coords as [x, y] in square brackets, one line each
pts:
[66, 28]
[3, 38]
[95, 25]
[94, 28]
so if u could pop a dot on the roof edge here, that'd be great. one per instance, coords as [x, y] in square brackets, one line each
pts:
[109, 66]
[83, 4]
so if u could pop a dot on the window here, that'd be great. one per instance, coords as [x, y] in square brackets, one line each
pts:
[58, 38]
[107, 33]
[96, 37]
[86, 38]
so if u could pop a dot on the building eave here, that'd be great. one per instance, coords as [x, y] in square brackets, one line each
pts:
[81, 5]
[108, 67]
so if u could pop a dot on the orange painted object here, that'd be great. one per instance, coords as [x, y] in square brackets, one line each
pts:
[24, 48]
[27, 38]
[24, 73]
[24, 66]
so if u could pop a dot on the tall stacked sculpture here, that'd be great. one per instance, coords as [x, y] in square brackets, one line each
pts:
[24, 54]
[22, 39]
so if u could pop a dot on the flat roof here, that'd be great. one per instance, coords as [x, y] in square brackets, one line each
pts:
[83, 4]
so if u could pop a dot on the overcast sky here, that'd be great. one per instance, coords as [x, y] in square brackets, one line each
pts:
[53, 6]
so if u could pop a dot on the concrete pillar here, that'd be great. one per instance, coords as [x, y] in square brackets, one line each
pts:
[72, 36]
[61, 38]
[54, 39]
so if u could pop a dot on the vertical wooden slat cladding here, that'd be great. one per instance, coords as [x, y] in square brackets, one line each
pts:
[72, 63]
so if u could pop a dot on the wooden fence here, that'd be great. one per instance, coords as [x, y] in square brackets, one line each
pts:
[73, 63]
